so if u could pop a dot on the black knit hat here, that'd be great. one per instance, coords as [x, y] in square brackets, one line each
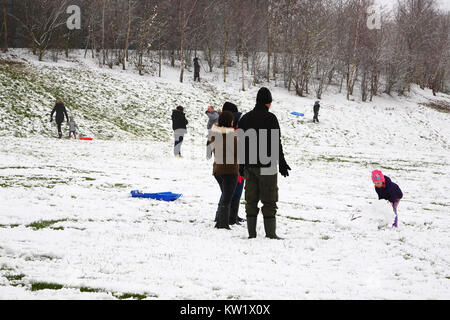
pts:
[180, 108]
[228, 106]
[264, 96]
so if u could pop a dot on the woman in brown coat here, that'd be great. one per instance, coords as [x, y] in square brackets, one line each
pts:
[226, 168]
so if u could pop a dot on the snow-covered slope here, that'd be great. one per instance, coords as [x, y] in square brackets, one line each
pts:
[68, 228]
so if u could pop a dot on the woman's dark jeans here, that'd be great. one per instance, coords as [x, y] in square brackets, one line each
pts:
[227, 185]
[236, 200]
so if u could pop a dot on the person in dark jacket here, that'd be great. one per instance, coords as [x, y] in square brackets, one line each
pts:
[316, 111]
[236, 200]
[226, 166]
[387, 190]
[60, 111]
[196, 70]
[179, 123]
[261, 172]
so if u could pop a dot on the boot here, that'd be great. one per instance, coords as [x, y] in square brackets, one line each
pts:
[222, 223]
[270, 227]
[234, 209]
[395, 225]
[251, 226]
[60, 135]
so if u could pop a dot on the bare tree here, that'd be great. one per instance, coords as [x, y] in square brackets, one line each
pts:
[248, 25]
[185, 11]
[41, 20]
[5, 26]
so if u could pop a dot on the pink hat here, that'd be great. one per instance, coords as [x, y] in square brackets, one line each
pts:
[377, 176]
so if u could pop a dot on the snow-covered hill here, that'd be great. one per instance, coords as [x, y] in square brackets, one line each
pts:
[68, 228]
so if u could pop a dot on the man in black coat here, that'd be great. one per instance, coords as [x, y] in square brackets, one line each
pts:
[61, 111]
[179, 123]
[260, 128]
[316, 111]
[196, 70]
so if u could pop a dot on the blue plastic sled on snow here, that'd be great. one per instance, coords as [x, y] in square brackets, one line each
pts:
[298, 114]
[162, 196]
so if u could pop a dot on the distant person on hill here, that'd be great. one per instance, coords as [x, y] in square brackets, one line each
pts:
[60, 110]
[179, 123]
[387, 190]
[316, 111]
[72, 127]
[213, 117]
[196, 70]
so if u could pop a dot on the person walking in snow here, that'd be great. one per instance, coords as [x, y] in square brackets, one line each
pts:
[213, 117]
[316, 111]
[179, 123]
[261, 173]
[235, 202]
[196, 69]
[226, 166]
[60, 111]
[387, 190]
[72, 127]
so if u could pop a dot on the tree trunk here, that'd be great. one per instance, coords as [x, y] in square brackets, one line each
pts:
[364, 86]
[274, 64]
[41, 53]
[351, 75]
[127, 41]
[5, 27]
[242, 66]
[269, 47]
[87, 44]
[140, 63]
[246, 59]
[181, 25]
[210, 62]
[355, 78]
[67, 46]
[225, 47]
[103, 31]
[160, 62]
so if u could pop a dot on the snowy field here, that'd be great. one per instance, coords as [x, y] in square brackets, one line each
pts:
[70, 230]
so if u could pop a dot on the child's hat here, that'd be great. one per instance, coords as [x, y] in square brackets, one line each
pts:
[377, 176]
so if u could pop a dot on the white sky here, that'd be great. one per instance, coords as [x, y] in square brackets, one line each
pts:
[443, 4]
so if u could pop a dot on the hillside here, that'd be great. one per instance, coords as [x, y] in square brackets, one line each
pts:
[69, 229]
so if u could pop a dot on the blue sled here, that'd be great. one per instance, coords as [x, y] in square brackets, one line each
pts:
[162, 196]
[298, 114]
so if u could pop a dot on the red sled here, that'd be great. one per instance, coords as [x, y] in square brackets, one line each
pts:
[86, 139]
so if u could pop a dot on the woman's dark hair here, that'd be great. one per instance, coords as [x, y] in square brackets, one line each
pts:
[228, 106]
[226, 119]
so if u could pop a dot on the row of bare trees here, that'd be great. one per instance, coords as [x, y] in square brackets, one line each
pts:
[305, 45]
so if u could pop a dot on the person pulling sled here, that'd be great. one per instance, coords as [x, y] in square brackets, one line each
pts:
[60, 111]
